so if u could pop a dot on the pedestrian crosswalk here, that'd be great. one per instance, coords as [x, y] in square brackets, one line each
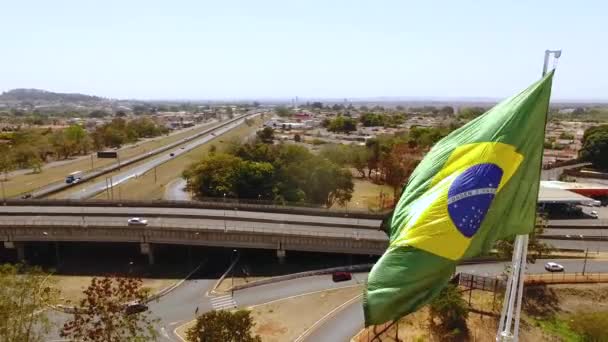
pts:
[223, 302]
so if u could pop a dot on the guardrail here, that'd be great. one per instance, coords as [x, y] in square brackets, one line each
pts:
[207, 204]
[193, 228]
[60, 186]
[566, 278]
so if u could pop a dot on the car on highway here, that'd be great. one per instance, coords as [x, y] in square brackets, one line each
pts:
[172, 154]
[554, 267]
[593, 214]
[26, 196]
[341, 276]
[136, 221]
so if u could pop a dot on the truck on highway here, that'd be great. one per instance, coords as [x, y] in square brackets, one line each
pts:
[74, 177]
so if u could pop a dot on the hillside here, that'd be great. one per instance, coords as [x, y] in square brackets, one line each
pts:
[38, 96]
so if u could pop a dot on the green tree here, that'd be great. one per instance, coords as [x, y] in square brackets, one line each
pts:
[7, 162]
[223, 326]
[318, 105]
[448, 314]
[25, 293]
[283, 111]
[595, 149]
[77, 138]
[102, 315]
[214, 176]
[342, 124]
[255, 180]
[447, 110]
[266, 135]
[358, 158]
[469, 113]
[297, 138]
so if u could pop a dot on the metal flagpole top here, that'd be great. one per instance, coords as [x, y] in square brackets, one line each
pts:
[556, 54]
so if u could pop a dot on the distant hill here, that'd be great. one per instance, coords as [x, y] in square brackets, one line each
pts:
[38, 95]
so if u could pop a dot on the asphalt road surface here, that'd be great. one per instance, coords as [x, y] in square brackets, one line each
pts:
[150, 213]
[93, 189]
[300, 229]
[179, 306]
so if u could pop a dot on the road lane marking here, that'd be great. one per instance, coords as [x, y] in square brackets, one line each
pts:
[330, 314]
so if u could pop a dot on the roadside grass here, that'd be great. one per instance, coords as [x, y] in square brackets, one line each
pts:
[30, 181]
[366, 195]
[151, 185]
[71, 287]
[556, 327]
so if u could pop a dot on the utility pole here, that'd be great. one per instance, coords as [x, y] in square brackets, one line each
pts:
[585, 262]
[92, 167]
[155, 174]
[3, 193]
[112, 187]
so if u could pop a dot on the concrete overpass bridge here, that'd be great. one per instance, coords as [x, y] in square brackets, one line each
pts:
[229, 225]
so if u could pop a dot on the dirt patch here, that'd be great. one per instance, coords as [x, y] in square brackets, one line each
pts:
[71, 287]
[369, 195]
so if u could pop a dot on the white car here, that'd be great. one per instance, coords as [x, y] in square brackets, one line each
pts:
[554, 267]
[136, 221]
[593, 214]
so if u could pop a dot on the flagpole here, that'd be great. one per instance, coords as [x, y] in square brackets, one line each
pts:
[515, 283]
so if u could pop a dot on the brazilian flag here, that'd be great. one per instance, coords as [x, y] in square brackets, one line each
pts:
[477, 185]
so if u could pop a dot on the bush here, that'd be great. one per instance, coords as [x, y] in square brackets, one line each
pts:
[223, 326]
[318, 142]
[452, 312]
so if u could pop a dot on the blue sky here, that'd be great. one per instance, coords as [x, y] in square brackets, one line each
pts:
[279, 49]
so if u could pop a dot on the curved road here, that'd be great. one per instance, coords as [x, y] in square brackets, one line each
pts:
[178, 307]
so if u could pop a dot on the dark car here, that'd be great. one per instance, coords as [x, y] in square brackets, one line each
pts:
[26, 196]
[133, 308]
[341, 276]
[172, 154]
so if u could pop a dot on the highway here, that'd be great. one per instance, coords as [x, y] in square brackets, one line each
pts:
[153, 212]
[234, 225]
[94, 188]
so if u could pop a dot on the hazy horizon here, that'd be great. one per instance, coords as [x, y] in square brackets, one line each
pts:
[188, 50]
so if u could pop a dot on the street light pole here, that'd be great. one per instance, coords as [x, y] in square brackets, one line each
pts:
[585, 262]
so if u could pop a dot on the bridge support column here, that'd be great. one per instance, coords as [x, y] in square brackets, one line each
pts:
[147, 249]
[18, 246]
[281, 254]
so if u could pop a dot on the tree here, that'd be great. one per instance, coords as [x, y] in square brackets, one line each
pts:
[223, 326]
[283, 111]
[359, 155]
[468, 113]
[297, 138]
[102, 316]
[7, 162]
[98, 114]
[342, 124]
[398, 164]
[447, 110]
[266, 135]
[318, 105]
[595, 148]
[452, 312]
[214, 176]
[24, 294]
